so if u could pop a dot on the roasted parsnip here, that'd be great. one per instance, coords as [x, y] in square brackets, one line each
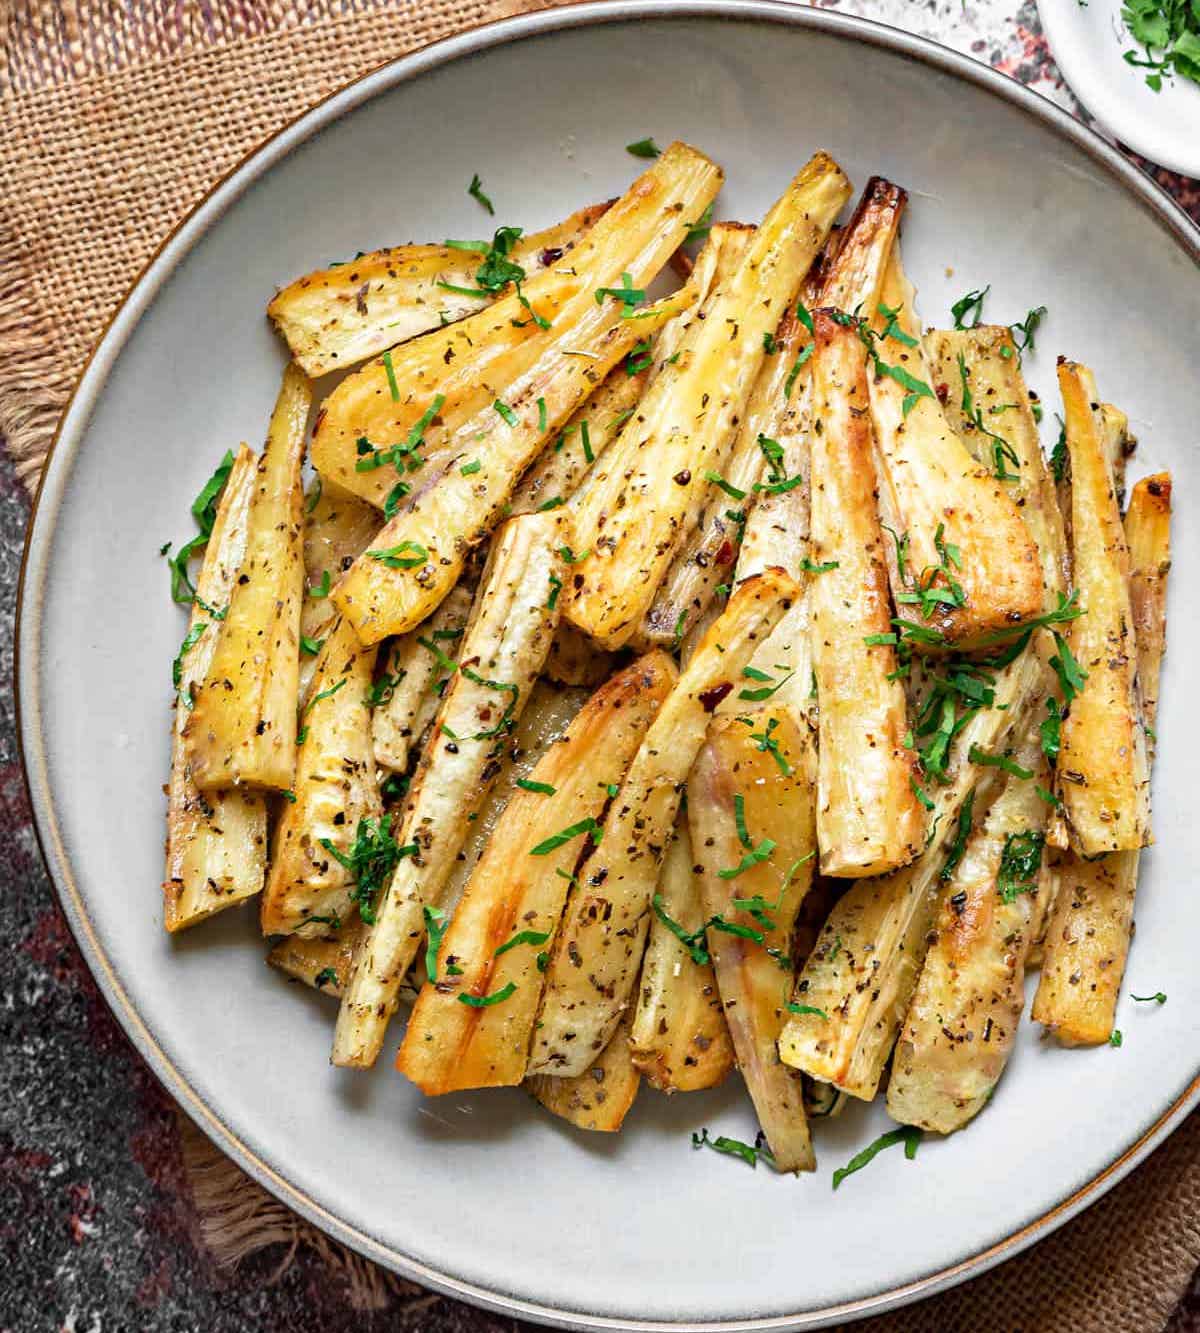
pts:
[1088, 931]
[503, 650]
[322, 962]
[594, 964]
[961, 1025]
[769, 459]
[509, 911]
[420, 554]
[988, 406]
[329, 844]
[679, 1038]
[409, 689]
[869, 820]
[557, 473]
[932, 492]
[600, 1098]
[1103, 771]
[242, 728]
[862, 973]
[751, 813]
[648, 491]
[216, 843]
[340, 315]
[1148, 533]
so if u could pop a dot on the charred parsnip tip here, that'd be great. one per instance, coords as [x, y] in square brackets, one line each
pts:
[497, 941]
[1089, 927]
[989, 407]
[776, 532]
[559, 471]
[1103, 771]
[329, 841]
[216, 843]
[340, 315]
[504, 648]
[598, 1099]
[322, 962]
[961, 1025]
[869, 820]
[242, 729]
[864, 969]
[1148, 532]
[646, 498]
[679, 1038]
[971, 569]
[418, 556]
[407, 693]
[599, 945]
[751, 814]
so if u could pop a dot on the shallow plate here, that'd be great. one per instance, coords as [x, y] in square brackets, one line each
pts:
[483, 1195]
[1088, 42]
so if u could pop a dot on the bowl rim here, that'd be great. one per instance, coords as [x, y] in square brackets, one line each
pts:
[72, 429]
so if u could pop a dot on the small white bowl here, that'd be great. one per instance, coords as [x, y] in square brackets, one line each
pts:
[1088, 42]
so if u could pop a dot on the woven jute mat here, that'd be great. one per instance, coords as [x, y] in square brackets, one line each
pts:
[115, 119]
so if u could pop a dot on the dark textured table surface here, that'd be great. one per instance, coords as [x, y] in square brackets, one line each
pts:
[98, 1231]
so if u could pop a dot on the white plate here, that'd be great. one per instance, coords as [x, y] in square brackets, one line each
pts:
[483, 1195]
[1088, 42]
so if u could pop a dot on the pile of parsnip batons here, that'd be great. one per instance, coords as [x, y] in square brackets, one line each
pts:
[646, 689]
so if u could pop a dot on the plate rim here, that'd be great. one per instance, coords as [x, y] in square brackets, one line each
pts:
[1086, 80]
[56, 474]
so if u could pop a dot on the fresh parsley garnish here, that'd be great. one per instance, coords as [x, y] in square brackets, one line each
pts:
[643, 148]
[556, 840]
[1019, 864]
[204, 511]
[486, 1001]
[748, 1152]
[407, 555]
[909, 1135]
[372, 857]
[969, 307]
[475, 190]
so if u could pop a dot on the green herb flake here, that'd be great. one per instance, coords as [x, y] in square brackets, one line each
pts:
[909, 1135]
[969, 307]
[408, 555]
[544, 788]
[372, 857]
[643, 148]
[1159, 997]
[748, 1152]
[556, 840]
[475, 190]
[1019, 864]
[793, 1008]
[486, 1001]
[522, 937]
[393, 387]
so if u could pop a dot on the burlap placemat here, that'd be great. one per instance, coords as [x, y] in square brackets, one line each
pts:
[114, 119]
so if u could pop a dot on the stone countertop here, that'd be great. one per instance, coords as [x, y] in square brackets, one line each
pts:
[98, 1230]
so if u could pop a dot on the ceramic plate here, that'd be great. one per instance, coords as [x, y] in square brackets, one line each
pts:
[483, 1195]
[1088, 41]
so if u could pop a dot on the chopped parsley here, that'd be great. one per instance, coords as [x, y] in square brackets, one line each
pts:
[962, 831]
[372, 857]
[192, 637]
[643, 148]
[793, 1008]
[699, 229]
[435, 929]
[556, 840]
[322, 588]
[629, 295]
[1115, 1037]
[408, 555]
[1019, 864]
[523, 937]
[204, 511]
[977, 756]
[969, 307]
[310, 647]
[909, 1135]
[1071, 676]
[748, 1152]
[1024, 330]
[527, 784]
[486, 1001]
[543, 415]
[475, 190]
[1159, 997]
[505, 412]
